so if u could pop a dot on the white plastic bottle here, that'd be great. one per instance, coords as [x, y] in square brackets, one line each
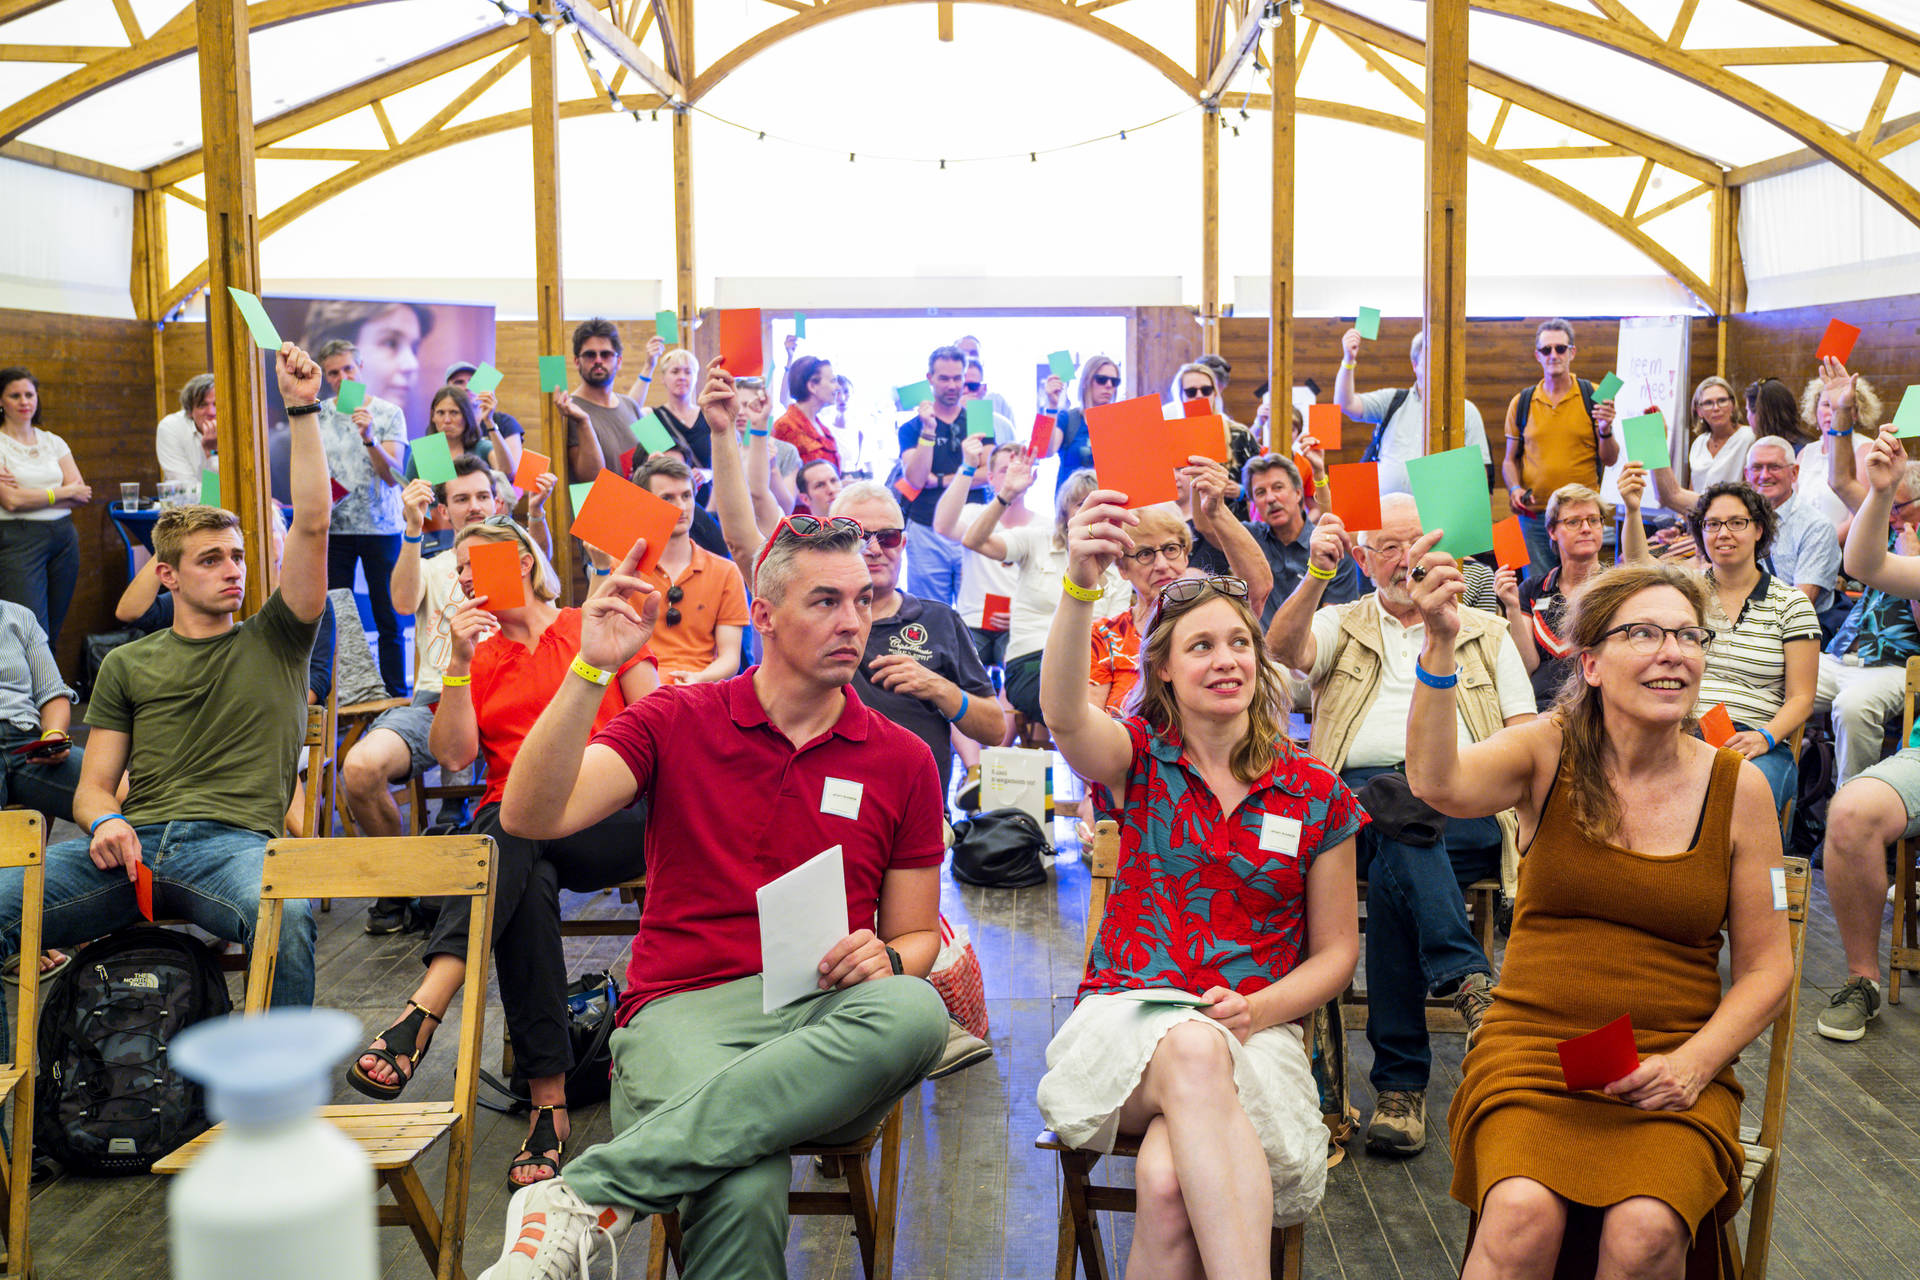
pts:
[281, 1193]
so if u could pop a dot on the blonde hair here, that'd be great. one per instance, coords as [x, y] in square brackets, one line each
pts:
[1092, 366]
[677, 354]
[1575, 494]
[1067, 499]
[1152, 698]
[545, 585]
[177, 524]
[1693, 405]
[1867, 407]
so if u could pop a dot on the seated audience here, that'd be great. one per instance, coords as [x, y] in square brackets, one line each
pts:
[205, 721]
[39, 488]
[1805, 553]
[503, 666]
[980, 575]
[1643, 845]
[1836, 406]
[364, 453]
[600, 419]
[1359, 661]
[1261, 927]
[706, 1129]
[1099, 385]
[187, 443]
[698, 636]
[817, 481]
[459, 374]
[677, 412]
[1206, 379]
[39, 765]
[1400, 418]
[1536, 609]
[810, 391]
[1279, 530]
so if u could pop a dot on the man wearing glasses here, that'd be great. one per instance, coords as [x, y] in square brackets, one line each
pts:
[1401, 433]
[1556, 434]
[601, 419]
[1359, 659]
[1279, 530]
[705, 604]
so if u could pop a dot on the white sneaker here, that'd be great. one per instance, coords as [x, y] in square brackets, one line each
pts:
[552, 1234]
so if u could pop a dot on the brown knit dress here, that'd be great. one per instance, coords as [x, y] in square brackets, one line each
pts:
[1599, 931]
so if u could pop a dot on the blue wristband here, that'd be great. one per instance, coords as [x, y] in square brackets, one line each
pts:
[1433, 681]
[1771, 741]
[106, 817]
[599, 573]
[646, 378]
[754, 431]
[961, 714]
[967, 471]
[413, 537]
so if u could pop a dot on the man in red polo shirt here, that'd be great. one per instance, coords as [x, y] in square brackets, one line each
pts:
[746, 779]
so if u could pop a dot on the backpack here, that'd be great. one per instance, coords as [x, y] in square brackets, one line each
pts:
[93, 653]
[999, 849]
[1372, 453]
[1524, 409]
[108, 1102]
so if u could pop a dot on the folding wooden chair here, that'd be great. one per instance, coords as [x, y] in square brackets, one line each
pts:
[395, 1135]
[1794, 740]
[1903, 951]
[1483, 901]
[1080, 1197]
[873, 1208]
[23, 843]
[316, 813]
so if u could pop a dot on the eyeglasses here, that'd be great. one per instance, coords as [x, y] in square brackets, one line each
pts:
[598, 357]
[1175, 552]
[1183, 590]
[1554, 349]
[1580, 522]
[973, 386]
[1107, 379]
[886, 539]
[674, 596]
[1719, 402]
[1647, 637]
[806, 527]
[1732, 524]
[1194, 393]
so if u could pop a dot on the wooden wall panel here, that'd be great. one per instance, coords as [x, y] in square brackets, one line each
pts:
[1780, 344]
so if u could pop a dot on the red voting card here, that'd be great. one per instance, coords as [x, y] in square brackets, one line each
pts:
[1305, 469]
[1323, 424]
[1136, 450]
[1198, 407]
[740, 342]
[339, 490]
[1597, 1059]
[496, 573]
[1355, 494]
[143, 888]
[1509, 544]
[1716, 726]
[617, 512]
[532, 467]
[626, 463]
[1042, 443]
[1838, 341]
[905, 490]
[993, 617]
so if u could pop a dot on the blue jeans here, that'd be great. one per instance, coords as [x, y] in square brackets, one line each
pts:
[1542, 556]
[45, 788]
[1418, 939]
[933, 565]
[204, 872]
[1779, 769]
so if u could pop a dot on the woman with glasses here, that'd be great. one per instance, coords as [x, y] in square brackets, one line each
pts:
[1232, 918]
[1719, 451]
[503, 667]
[1837, 406]
[1099, 385]
[1536, 609]
[1642, 845]
[810, 390]
[1765, 660]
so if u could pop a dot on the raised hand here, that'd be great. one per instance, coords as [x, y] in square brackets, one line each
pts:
[1633, 485]
[718, 400]
[1886, 462]
[363, 419]
[484, 403]
[656, 347]
[415, 501]
[1837, 385]
[298, 375]
[469, 624]
[976, 450]
[618, 621]
[563, 401]
[1506, 587]
[1053, 389]
[1436, 585]
[1330, 543]
[1350, 345]
[1604, 414]
[542, 487]
[1097, 536]
[1019, 476]
[1207, 482]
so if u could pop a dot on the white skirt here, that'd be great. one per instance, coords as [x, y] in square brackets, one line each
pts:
[1095, 1062]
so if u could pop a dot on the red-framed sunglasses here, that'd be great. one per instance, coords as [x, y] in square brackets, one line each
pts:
[806, 527]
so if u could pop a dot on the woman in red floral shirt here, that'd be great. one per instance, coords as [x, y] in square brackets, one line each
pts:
[1231, 919]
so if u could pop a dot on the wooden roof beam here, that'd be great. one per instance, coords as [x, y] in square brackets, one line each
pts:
[47, 158]
[1807, 157]
[669, 39]
[604, 32]
[1246, 38]
[1849, 25]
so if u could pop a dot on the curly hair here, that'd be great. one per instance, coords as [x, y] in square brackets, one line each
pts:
[1759, 510]
[1866, 404]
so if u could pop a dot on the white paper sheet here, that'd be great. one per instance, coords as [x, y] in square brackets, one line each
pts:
[802, 914]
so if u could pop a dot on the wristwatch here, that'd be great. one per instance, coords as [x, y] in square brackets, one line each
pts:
[893, 958]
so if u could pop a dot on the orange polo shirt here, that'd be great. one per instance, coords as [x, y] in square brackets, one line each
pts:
[1116, 658]
[813, 442]
[1559, 446]
[712, 595]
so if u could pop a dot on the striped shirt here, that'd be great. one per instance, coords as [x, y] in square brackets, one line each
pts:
[1747, 662]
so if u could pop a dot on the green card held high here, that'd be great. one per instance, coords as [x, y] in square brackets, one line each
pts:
[1450, 490]
[1609, 388]
[350, 396]
[913, 395]
[650, 434]
[1906, 420]
[667, 325]
[1368, 323]
[485, 378]
[265, 336]
[980, 418]
[1060, 365]
[1646, 441]
[553, 373]
[432, 460]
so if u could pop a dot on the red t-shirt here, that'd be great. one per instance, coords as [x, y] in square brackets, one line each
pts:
[512, 686]
[734, 804]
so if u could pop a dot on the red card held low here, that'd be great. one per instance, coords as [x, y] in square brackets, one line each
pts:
[532, 467]
[1042, 442]
[740, 350]
[1356, 494]
[496, 573]
[1323, 424]
[993, 615]
[617, 512]
[1510, 544]
[1716, 726]
[1838, 342]
[143, 888]
[1597, 1059]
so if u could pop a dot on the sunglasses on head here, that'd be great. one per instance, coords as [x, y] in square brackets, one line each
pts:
[1107, 379]
[1194, 393]
[1554, 349]
[806, 527]
[1185, 590]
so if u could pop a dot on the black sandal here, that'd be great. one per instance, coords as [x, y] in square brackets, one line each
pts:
[529, 1157]
[402, 1041]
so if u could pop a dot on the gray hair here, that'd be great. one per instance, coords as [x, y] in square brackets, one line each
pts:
[1781, 443]
[1420, 344]
[1564, 326]
[862, 491]
[781, 561]
[1392, 502]
[334, 347]
[194, 394]
[1910, 480]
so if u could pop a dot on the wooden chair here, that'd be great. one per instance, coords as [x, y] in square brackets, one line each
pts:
[395, 1135]
[1903, 951]
[23, 843]
[873, 1207]
[1483, 902]
[1794, 740]
[1081, 1198]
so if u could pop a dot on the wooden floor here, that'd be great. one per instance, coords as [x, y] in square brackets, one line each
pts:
[978, 1202]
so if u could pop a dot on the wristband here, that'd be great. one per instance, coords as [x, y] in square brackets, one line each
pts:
[413, 537]
[1839, 433]
[590, 673]
[1771, 742]
[1078, 592]
[600, 573]
[754, 431]
[106, 817]
[1347, 364]
[1433, 681]
[302, 410]
[961, 714]
[454, 682]
[1315, 571]
[967, 471]
[646, 379]
[53, 497]
[49, 734]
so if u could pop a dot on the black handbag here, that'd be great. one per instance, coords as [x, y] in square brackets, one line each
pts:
[592, 1000]
[1000, 849]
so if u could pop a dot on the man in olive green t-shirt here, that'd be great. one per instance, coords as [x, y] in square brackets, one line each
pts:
[206, 721]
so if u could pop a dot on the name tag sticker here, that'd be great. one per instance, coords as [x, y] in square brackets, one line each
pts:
[842, 798]
[1779, 888]
[1279, 834]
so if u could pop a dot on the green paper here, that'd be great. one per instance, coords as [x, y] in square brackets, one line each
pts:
[432, 460]
[650, 434]
[209, 487]
[1906, 422]
[485, 378]
[1609, 388]
[799, 324]
[553, 373]
[1368, 323]
[913, 395]
[1180, 999]
[980, 418]
[350, 396]
[1060, 364]
[265, 336]
[1646, 440]
[667, 325]
[578, 493]
[1450, 491]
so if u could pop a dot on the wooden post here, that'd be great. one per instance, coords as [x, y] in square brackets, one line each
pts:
[233, 260]
[1210, 229]
[1280, 315]
[550, 433]
[149, 285]
[683, 182]
[1445, 308]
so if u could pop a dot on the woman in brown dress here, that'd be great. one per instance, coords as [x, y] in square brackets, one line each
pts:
[1642, 845]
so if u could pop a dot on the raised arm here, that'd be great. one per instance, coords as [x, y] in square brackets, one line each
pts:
[1606, 439]
[732, 504]
[303, 564]
[403, 584]
[1344, 393]
[974, 453]
[1867, 558]
[1207, 481]
[1289, 638]
[1633, 529]
[982, 536]
[916, 460]
[584, 459]
[1096, 746]
[455, 736]
[1506, 589]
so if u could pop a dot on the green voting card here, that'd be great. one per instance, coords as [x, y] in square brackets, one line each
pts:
[980, 418]
[432, 460]
[1060, 364]
[651, 434]
[1646, 441]
[1368, 323]
[1906, 421]
[265, 336]
[913, 395]
[350, 396]
[553, 373]
[667, 325]
[799, 324]
[1450, 490]
[1609, 388]
[485, 378]
[578, 494]
[209, 487]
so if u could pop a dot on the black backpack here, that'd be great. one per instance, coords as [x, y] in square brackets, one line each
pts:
[107, 1100]
[999, 849]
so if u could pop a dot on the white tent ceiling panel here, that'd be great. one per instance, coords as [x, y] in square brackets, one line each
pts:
[1856, 231]
[77, 260]
[1732, 24]
[136, 123]
[66, 22]
[355, 131]
[24, 79]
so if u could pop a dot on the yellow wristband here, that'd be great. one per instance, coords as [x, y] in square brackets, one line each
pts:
[53, 497]
[1315, 571]
[454, 682]
[590, 673]
[1077, 591]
